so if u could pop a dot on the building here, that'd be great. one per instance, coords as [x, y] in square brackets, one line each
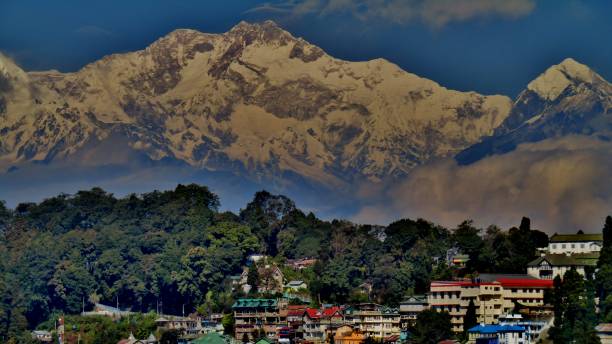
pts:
[256, 318]
[300, 264]
[132, 340]
[604, 332]
[410, 308]
[296, 286]
[551, 265]
[347, 334]
[188, 326]
[271, 279]
[493, 295]
[533, 325]
[318, 324]
[374, 320]
[575, 243]
[108, 311]
[42, 336]
[496, 334]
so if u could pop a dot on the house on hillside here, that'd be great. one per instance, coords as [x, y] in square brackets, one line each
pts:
[551, 265]
[579, 243]
[271, 279]
[296, 285]
[42, 336]
[108, 311]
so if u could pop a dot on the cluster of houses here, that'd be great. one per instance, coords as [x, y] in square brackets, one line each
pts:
[509, 308]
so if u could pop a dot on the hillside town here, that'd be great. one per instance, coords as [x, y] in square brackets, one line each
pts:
[504, 308]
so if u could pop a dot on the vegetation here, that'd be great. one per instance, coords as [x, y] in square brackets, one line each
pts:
[174, 249]
[431, 327]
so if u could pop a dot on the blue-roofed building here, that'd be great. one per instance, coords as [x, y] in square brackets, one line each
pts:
[496, 334]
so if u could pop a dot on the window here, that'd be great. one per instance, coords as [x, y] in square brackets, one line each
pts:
[581, 245]
[554, 246]
[573, 246]
[562, 246]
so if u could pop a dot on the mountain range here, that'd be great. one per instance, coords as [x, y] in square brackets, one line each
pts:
[261, 105]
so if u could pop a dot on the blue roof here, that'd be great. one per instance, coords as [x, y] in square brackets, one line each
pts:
[492, 329]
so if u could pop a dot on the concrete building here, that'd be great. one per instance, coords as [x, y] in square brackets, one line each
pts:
[493, 295]
[534, 326]
[410, 308]
[258, 316]
[496, 334]
[374, 320]
[575, 243]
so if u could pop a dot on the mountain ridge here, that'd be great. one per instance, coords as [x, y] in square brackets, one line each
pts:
[254, 97]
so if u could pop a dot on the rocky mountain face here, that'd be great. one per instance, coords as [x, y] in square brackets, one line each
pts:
[255, 101]
[567, 99]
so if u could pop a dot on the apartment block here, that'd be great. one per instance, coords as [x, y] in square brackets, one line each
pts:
[494, 295]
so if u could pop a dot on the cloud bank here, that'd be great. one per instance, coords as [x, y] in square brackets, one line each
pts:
[563, 185]
[435, 13]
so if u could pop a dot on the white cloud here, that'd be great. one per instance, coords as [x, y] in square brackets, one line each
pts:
[563, 185]
[435, 13]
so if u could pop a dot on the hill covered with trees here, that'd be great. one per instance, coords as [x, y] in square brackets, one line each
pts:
[176, 249]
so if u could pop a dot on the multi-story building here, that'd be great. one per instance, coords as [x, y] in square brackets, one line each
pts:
[493, 296]
[575, 243]
[410, 308]
[533, 326]
[552, 265]
[317, 324]
[258, 317]
[500, 334]
[374, 320]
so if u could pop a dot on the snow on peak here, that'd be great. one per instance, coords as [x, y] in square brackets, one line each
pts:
[550, 84]
[8, 67]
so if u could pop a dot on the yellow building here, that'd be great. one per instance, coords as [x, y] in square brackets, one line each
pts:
[493, 295]
[348, 335]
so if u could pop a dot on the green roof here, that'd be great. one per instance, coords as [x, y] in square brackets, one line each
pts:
[254, 303]
[576, 237]
[586, 259]
[265, 340]
[210, 338]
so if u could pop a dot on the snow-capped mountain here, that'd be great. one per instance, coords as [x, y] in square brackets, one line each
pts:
[568, 98]
[254, 101]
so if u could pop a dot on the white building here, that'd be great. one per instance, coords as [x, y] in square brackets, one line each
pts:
[575, 243]
[533, 326]
[550, 266]
[505, 334]
[410, 308]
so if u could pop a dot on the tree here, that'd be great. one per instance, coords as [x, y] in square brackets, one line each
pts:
[574, 308]
[603, 280]
[253, 277]
[245, 338]
[431, 327]
[170, 337]
[470, 320]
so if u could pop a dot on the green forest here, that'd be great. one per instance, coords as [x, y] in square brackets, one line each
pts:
[175, 248]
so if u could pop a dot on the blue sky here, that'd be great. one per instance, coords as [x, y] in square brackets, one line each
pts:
[489, 46]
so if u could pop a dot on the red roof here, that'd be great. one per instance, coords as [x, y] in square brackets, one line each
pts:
[313, 313]
[331, 311]
[525, 282]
